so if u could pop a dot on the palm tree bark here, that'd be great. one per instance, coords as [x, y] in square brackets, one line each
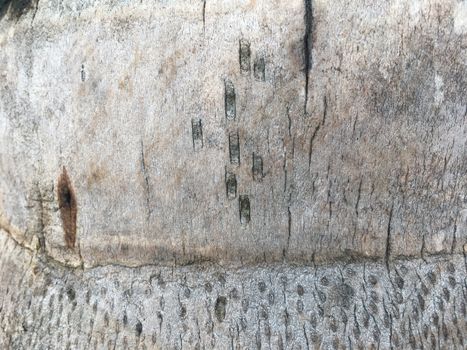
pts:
[233, 174]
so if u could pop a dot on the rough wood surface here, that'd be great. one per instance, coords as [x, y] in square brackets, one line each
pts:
[305, 158]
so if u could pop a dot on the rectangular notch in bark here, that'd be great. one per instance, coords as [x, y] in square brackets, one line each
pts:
[83, 73]
[229, 100]
[197, 134]
[68, 208]
[244, 203]
[257, 168]
[231, 185]
[259, 68]
[244, 55]
[234, 148]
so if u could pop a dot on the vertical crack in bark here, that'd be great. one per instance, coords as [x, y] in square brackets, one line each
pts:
[204, 16]
[387, 254]
[315, 131]
[454, 237]
[41, 228]
[306, 338]
[310, 150]
[146, 183]
[307, 46]
[35, 11]
[285, 252]
[359, 194]
[287, 112]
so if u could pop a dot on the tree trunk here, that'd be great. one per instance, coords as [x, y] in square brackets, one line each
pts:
[233, 174]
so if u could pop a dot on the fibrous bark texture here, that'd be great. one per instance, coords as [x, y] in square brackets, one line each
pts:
[233, 174]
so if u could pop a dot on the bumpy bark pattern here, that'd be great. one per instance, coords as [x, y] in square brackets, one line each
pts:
[416, 304]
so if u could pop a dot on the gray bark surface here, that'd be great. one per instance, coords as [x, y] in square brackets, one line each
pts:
[233, 174]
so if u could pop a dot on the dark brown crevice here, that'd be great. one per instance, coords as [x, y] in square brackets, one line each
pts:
[68, 208]
[307, 45]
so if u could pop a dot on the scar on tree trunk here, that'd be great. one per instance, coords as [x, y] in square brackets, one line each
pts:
[68, 208]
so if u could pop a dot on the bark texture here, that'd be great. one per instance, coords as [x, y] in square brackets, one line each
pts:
[233, 174]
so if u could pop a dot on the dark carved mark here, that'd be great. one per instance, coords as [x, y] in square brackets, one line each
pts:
[307, 45]
[234, 148]
[197, 134]
[259, 68]
[244, 209]
[68, 208]
[244, 55]
[231, 185]
[83, 73]
[257, 167]
[219, 308]
[229, 100]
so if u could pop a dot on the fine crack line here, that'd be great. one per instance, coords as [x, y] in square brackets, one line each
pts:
[387, 254]
[307, 43]
[146, 182]
[289, 232]
[204, 16]
[315, 132]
